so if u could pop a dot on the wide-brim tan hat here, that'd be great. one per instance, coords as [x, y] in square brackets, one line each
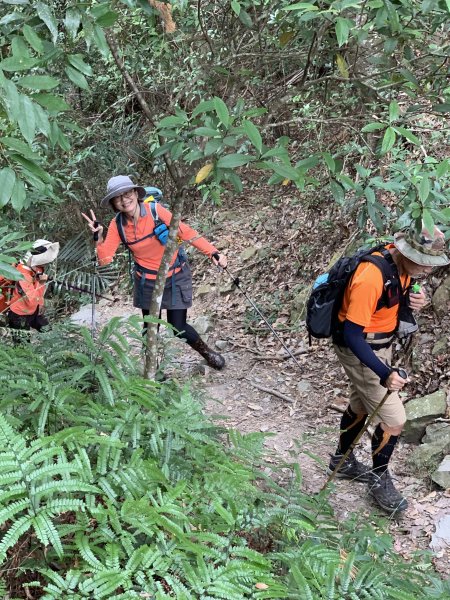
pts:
[120, 185]
[43, 253]
[422, 248]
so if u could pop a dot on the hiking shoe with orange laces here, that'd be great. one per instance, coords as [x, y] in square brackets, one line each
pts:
[382, 489]
[351, 469]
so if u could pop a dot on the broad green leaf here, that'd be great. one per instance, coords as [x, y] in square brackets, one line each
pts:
[329, 161]
[375, 216]
[407, 134]
[428, 220]
[18, 196]
[171, 121]
[388, 140]
[53, 104]
[100, 41]
[230, 161]
[222, 111]
[39, 175]
[45, 14]
[202, 107]
[307, 163]
[63, 141]
[373, 127]
[107, 19]
[440, 108]
[42, 122]
[236, 7]
[38, 82]
[77, 78]
[303, 6]
[72, 22]
[7, 181]
[442, 168]
[19, 48]
[88, 30]
[446, 212]
[370, 195]
[347, 181]
[27, 118]
[253, 133]
[10, 272]
[424, 188]
[18, 146]
[394, 111]
[392, 15]
[16, 63]
[337, 191]
[212, 146]
[33, 39]
[11, 99]
[284, 171]
[342, 30]
[206, 132]
[235, 180]
[245, 18]
[76, 60]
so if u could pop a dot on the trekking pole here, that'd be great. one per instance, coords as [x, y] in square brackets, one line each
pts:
[94, 281]
[235, 281]
[404, 375]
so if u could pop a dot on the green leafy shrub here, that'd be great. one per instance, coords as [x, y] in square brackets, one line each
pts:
[126, 490]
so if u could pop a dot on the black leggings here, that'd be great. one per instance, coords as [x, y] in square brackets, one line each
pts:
[177, 318]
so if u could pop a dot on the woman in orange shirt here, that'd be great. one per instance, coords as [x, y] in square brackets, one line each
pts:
[136, 227]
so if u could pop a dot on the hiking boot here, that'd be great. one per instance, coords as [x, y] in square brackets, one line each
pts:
[351, 469]
[214, 359]
[384, 493]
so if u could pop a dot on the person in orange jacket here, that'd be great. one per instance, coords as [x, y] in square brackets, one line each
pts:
[135, 226]
[26, 306]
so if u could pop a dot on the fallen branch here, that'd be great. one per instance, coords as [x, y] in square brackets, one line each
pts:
[271, 392]
[277, 357]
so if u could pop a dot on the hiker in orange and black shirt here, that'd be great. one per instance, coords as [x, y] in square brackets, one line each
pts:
[26, 307]
[363, 345]
[139, 231]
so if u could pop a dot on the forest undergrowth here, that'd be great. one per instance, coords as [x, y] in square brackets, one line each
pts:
[113, 486]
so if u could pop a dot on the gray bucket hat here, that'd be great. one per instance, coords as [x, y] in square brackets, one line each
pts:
[422, 248]
[119, 185]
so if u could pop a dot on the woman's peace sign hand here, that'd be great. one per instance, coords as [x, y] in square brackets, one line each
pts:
[94, 225]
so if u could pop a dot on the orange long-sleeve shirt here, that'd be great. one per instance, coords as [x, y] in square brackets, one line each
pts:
[28, 293]
[149, 252]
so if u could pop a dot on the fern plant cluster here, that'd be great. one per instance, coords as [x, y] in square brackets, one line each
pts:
[112, 486]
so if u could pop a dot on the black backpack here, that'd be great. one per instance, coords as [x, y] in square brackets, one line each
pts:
[328, 290]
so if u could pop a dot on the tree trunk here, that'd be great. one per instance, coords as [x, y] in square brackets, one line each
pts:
[151, 350]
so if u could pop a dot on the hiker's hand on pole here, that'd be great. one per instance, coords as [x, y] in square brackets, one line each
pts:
[220, 260]
[94, 226]
[417, 300]
[395, 382]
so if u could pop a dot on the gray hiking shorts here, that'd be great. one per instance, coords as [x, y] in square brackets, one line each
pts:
[177, 291]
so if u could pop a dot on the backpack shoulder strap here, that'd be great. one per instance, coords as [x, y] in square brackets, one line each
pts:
[391, 280]
[119, 223]
[154, 212]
